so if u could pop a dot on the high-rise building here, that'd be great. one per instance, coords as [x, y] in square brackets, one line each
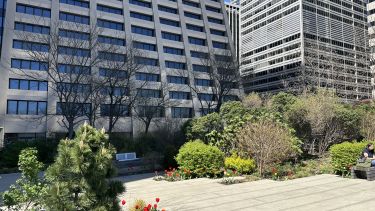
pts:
[371, 32]
[172, 34]
[233, 13]
[294, 43]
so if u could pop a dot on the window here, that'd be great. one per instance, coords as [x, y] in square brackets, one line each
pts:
[28, 84]
[32, 10]
[203, 82]
[111, 40]
[206, 97]
[215, 20]
[176, 51]
[76, 109]
[114, 110]
[31, 28]
[112, 73]
[115, 91]
[143, 31]
[182, 112]
[107, 9]
[140, 3]
[145, 46]
[219, 45]
[30, 46]
[112, 56]
[193, 15]
[177, 80]
[171, 36]
[179, 95]
[168, 9]
[73, 69]
[213, 9]
[175, 65]
[23, 107]
[141, 16]
[110, 25]
[152, 93]
[150, 111]
[29, 65]
[195, 28]
[217, 32]
[78, 3]
[73, 87]
[74, 18]
[74, 34]
[147, 77]
[227, 98]
[190, 3]
[197, 41]
[169, 22]
[201, 68]
[198, 54]
[147, 61]
[73, 51]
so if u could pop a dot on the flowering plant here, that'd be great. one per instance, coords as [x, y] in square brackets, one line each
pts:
[140, 205]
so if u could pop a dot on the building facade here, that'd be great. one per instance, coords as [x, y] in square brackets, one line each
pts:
[294, 43]
[233, 13]
[170, 33]
[371, 32]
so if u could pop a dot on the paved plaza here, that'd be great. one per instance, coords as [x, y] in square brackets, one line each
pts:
[323, 192]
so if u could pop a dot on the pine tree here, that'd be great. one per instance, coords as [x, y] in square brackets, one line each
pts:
[80, 178]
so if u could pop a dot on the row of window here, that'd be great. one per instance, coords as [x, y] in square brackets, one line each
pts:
[23, 107]
[23, 84]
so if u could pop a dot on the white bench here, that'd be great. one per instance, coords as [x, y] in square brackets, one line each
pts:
[126, 156]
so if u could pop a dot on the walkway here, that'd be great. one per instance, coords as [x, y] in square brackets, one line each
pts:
[323, 192]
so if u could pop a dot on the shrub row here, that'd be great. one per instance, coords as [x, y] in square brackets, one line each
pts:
[345, 155]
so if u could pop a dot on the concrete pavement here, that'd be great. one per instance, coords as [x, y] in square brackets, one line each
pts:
[322, 192]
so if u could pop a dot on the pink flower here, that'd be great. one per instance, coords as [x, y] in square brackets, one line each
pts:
[123, 202]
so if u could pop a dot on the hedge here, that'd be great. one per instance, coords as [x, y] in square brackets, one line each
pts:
[200, 159]
[345, 155]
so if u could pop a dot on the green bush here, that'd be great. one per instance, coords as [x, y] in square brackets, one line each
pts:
[9, 154]
[242, 166]
[345, 155]
[200, 159]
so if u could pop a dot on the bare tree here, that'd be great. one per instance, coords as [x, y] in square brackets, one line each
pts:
[118, 83]
[69, 53]
[150, 104]
[267, 142]
[219, 72]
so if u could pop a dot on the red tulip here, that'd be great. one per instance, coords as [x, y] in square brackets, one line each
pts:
[123, 202]
[145, 209]
[157, 200]
[149, 206]
[155, 206]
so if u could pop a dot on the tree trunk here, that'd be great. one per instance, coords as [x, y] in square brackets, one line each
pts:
[147, 126]
[110, 125]
[70, 129]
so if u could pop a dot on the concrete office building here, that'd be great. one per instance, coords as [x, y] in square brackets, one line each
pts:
[298, 42]
[169, 32]
[371, 32]
[233, 13]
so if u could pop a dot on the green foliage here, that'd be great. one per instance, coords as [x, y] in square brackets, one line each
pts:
[80, 177]
[200, 160]
[282, 102]
[219, 129]
[345, 155]
[11, 151]
[242, 166]
[29, 189]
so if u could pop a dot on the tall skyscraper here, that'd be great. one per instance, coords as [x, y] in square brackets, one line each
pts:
[173, 36]
[233, 12]
[371, 32]
[294, 43]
